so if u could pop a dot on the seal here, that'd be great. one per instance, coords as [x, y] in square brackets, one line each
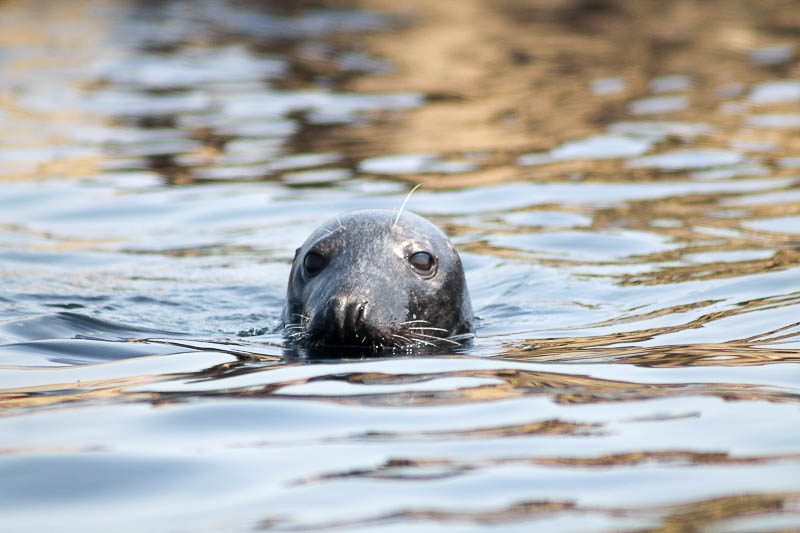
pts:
[377, 280]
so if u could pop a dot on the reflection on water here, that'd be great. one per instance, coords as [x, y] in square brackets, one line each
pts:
[619, 177]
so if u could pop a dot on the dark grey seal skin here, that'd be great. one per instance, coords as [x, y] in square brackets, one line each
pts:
[363, 282]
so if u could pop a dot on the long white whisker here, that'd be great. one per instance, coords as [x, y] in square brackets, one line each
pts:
[404, 338]
[437, 338]
[417, 186]
[428, 327]
[420, 341]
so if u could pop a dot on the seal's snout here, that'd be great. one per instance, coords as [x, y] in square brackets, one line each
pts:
[343, 320]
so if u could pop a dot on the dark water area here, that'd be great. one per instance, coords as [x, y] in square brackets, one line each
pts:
[621, 179]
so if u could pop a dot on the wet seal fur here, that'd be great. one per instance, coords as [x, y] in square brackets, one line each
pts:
[371, 280]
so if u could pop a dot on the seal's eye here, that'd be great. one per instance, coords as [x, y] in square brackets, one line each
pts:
[313, 263]
[422, 262]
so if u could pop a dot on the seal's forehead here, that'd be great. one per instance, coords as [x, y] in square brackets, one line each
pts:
[379, 224]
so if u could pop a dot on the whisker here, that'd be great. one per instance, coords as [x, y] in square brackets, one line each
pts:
[414, 340]
[404, 338]
[437, 338]
[428, 327]
[417, 186]
[420, 341]
[414, 321]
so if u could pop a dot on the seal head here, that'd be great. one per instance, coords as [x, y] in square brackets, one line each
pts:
[369, 281]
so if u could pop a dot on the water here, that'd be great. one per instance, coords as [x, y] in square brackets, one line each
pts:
[621, 183]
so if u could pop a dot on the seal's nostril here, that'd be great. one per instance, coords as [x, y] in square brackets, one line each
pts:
[361, 315]
[337, 314]
[347, 319]
[343, 317]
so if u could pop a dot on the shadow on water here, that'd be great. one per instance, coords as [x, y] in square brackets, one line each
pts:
[620, 178]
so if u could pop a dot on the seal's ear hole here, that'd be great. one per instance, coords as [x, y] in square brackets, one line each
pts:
[423, 263]
[313, 263]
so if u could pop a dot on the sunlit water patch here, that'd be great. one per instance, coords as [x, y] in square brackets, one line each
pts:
[658, 104]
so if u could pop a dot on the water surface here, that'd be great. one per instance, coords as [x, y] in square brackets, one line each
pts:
[621, 183]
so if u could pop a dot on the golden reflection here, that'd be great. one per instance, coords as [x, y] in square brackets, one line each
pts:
[701, 515]
[433, 468]
[87, 392]
[759, 349]
[72, 394]
[700, 231]
[705, 514]
[516, 383]
[517, 76]
[512, 383]
[546, 427]
[26, 31]
[679, 355]
[518, 512]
